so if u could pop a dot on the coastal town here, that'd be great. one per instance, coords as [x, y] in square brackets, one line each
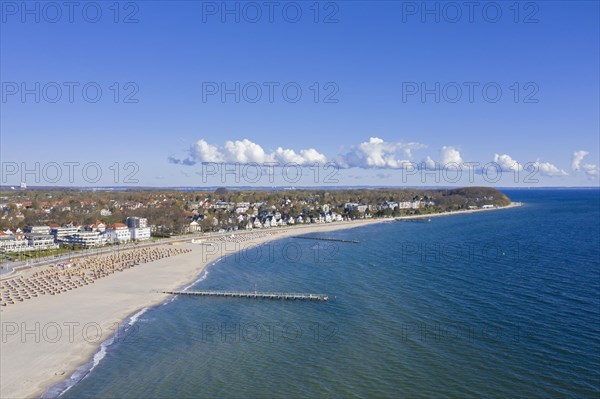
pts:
[63, 257]
[42, 220]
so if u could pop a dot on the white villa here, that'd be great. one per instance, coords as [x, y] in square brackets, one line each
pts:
[11, 242]
[194, 227]
[118, 232]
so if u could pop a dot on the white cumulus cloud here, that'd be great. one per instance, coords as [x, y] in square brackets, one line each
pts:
[374, 153]
[306, 156]
[206, 152]
[429, 163]
[548, 169]
[507, 163]
[451, 155]
[577, 158]
[377, 153]
[590, 170]
[245, 151]
[450, 158]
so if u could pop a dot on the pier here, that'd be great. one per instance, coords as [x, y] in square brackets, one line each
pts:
[254, 295]
[326, 239]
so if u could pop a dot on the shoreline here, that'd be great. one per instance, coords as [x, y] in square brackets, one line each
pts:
[32, 366]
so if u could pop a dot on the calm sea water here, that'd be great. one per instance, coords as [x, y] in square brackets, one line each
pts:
[497, 304]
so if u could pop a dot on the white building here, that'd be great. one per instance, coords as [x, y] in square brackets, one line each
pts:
[118, 232]
[40, 241]
[242, 207]
[61, 232]
[135, 222]
[12, 243]
[354, 206]
[141, 233]
[194, 227]
[86, 239]
[38, 229]
[389, 205]
[222, 205]
[96, 226]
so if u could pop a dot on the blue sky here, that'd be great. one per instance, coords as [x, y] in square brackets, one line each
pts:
[166, 56]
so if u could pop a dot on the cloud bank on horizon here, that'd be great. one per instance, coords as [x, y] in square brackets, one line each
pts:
[375, 153]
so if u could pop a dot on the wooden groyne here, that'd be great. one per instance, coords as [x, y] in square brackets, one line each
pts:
[254, 295]
[415, 220]
[326, 239]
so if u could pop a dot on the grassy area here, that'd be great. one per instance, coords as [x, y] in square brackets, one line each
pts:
[7, 257]
[29, 255]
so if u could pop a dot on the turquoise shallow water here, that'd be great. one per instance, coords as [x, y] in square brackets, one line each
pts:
[496, 304]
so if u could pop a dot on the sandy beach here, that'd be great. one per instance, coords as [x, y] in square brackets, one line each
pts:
[45, 339]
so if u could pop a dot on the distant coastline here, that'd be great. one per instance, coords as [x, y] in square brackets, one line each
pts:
[462, 212]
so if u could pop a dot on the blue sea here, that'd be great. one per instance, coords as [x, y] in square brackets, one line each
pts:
[502, 304]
